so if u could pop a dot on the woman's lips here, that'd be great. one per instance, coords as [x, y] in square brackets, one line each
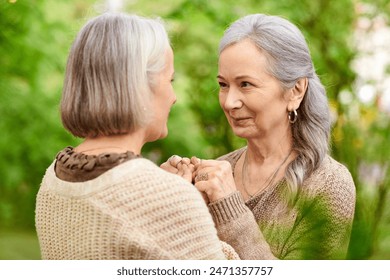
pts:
[239, 120]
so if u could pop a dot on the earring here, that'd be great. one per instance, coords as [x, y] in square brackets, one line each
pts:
[293, 116]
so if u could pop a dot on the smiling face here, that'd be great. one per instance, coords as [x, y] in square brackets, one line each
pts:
[253, 101]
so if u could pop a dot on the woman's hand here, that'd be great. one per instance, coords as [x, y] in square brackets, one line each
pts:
[214, 178]
[179, 166]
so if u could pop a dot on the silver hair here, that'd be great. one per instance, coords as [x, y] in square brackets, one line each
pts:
[109, 74]
[288, 60]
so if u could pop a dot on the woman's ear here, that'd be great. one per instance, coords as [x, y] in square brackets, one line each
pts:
[296, 94]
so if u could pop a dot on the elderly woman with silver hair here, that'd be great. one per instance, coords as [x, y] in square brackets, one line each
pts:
[101, 199]
[282, 196]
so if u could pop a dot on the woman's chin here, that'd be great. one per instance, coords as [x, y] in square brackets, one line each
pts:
[241, 132]
[163, 133]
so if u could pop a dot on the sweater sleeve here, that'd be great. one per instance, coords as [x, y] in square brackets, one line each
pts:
[237, 226]
[322, 222]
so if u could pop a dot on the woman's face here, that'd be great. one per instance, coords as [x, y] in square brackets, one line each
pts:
[252, 99]
[163, 99]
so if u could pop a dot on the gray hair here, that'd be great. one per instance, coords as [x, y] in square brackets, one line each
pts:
[288, 59]
[109, 74]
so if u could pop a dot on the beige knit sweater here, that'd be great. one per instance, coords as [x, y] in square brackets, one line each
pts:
[316, 226]
[133, 211]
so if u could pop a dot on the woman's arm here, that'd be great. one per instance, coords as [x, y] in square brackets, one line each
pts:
[237, 226]
[320, 230]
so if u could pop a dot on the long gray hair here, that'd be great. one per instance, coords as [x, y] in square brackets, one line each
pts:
[289, 60]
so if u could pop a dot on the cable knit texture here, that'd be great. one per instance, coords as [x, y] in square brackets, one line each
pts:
[317, 226]
[134, 210]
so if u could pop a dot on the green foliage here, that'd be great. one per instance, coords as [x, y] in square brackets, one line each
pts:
[19, 245]
[34, 40]
[32, 60]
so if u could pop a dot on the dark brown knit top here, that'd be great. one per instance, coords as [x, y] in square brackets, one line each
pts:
[78, 167]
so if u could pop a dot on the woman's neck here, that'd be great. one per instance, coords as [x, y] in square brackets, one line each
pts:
[113, 144]
[271, 148]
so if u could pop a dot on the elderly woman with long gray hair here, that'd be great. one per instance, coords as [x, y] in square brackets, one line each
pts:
[282, 196]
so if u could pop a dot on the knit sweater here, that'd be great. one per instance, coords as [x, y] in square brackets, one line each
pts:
[133, 211]
[316, 226]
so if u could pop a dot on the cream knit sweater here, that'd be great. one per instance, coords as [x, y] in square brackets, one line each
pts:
[133, 211]
[316, 226]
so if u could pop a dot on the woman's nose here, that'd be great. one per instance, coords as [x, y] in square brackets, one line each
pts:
[173, 97]
[233, 99]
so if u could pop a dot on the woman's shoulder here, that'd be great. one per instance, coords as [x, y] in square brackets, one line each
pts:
[331, 168]
[142, 197]
[136, 175]
[130, 186]
[145, 176]
[153, 184]
[151, 174]
[332, 178]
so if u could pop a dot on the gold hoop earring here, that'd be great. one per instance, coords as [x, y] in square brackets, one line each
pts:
[292, 116]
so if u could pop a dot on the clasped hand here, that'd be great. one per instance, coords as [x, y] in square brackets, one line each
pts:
[213, 178]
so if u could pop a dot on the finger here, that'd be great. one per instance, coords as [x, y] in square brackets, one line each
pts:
[168, 167]
[195, 160]
[185, 173]
[180, 170]
[204, 170]
[174, 160]
[191, 167]
[209, 162]
[201, 164]
[221, 167]
[201, 177]
[185, 160]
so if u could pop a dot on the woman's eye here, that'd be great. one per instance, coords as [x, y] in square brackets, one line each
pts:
[222, 84]
[245, 84]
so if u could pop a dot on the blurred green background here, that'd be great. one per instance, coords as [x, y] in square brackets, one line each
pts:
[35, 37]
